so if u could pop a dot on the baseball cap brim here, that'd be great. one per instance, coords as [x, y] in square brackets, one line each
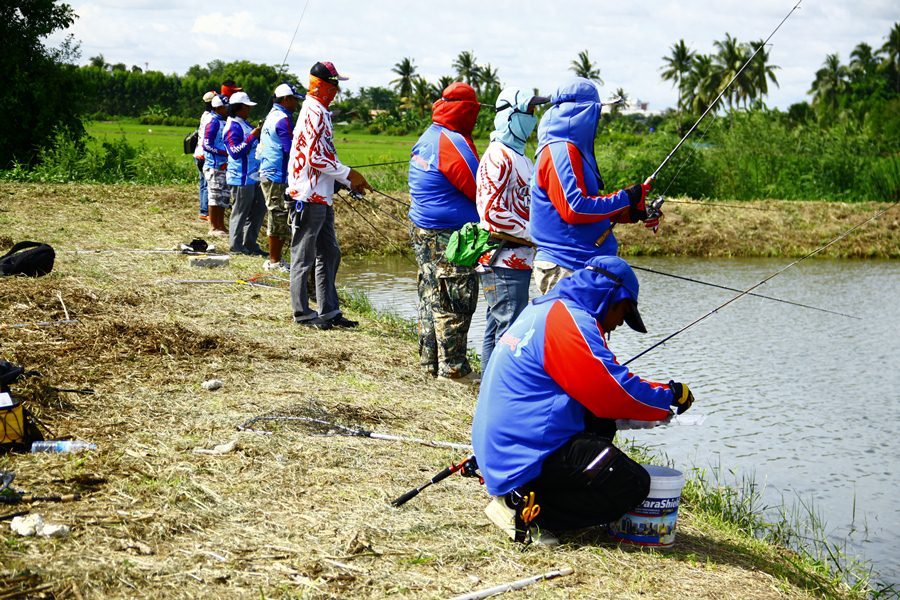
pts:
[634, 320]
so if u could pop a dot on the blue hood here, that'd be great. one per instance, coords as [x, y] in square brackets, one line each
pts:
[594, 291]
[573, 117]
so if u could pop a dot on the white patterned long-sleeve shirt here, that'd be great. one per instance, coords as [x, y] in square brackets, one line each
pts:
[313, 166]
[503, 199]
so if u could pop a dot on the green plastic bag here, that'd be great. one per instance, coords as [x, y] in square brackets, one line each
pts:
[468, 244]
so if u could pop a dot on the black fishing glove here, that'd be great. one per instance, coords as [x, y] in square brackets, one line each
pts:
[637, 196]
[682, 396]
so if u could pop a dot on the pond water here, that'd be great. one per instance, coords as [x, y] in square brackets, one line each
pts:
[805, 403]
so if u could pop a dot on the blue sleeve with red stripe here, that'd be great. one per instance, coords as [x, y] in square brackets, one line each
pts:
[209, 138]
[458, 162]
[285, 134]
[578, 360]
[560, 173]
[237, 145]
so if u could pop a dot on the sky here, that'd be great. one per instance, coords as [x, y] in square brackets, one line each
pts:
[531, 43]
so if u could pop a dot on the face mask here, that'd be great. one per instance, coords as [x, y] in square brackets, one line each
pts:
[513, 124]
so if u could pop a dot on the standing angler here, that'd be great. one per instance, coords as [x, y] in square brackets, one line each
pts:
[442, 187]
[199, 153]
[503, 199]
[215, 162]
[545, 421]
[312, 172]
[570, 221]
[274, 150]
[248, 207]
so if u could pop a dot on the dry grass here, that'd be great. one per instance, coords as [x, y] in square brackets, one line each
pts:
[284, 515]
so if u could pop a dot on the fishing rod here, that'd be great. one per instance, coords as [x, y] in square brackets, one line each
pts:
[39, 324]
[329, 427]
[251, 282]
[731, 289]
[767, 279]
[722, 93]
[467, 466]
[381, 164]
[654, 207]
[375, 207]
[374, 228]
[397, 200]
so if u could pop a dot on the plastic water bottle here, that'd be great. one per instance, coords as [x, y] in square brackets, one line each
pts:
[57, 446]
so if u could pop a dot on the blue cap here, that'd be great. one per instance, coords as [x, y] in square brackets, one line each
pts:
[617, 270]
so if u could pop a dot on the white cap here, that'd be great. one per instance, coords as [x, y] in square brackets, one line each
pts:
[219, 101]
[208, 96]
[241, 98]
[285, 89]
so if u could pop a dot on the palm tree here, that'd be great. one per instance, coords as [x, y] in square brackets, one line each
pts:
[422, 95]
[760, 72]
[583, 67]
[702, 84]
[891, 51]
[830, 82]
[406, 72]
[730, 56]
[622, 95]
[467, 68]
[677, 66]
[490, 77]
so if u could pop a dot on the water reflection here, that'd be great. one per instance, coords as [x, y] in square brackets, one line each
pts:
[807, 402]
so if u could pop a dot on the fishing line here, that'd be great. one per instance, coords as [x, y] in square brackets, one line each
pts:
[753, 287]
[720, 204]
[293, 37]
[375, 229]
[397, 200]
[731, 289]
[375, 207]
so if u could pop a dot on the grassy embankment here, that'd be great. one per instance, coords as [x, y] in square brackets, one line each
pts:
[286, 515]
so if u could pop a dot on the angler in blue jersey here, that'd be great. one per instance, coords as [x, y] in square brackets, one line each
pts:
[442, 170]
[215, 163]
[549, 400]
[274, 150]
[248, 207]
[570, 220]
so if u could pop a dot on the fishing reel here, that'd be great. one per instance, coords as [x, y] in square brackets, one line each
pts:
[654, 208]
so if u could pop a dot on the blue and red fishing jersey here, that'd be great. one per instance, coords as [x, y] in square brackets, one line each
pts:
[568, 214]
[444, 163]
[549, 370]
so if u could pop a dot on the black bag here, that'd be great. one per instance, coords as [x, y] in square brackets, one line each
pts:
[190, 141]
[28, 258]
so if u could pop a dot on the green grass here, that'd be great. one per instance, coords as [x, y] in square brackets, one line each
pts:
[354, 147]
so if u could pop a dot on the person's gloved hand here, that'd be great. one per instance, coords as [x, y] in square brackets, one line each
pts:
[637, 197]
[682, 396]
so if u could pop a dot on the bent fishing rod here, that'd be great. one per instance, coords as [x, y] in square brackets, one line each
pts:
[654, 207]
[767, 279]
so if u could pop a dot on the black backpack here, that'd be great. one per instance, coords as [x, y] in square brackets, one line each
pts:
[28, 258]
[190, 141]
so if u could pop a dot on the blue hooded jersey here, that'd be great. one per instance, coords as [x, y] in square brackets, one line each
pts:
[570, 221]
[275, 144]
[552, 367]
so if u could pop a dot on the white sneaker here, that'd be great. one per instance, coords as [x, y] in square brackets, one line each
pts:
[472, 378]
[504, 517]
[281, 266]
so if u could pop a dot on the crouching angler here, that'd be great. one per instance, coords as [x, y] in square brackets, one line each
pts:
[545, 421]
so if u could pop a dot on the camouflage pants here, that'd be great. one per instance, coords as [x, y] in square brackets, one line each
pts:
[448, 295]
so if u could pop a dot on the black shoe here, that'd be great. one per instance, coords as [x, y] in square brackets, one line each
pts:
[317, 323]
[342, 321]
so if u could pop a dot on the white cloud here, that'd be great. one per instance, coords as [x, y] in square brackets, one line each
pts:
[530, 42]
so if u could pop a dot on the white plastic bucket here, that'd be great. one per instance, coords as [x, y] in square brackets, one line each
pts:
[652, 523]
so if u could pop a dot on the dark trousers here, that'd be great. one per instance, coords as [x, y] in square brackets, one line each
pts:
[314, 245]
[570, 499]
